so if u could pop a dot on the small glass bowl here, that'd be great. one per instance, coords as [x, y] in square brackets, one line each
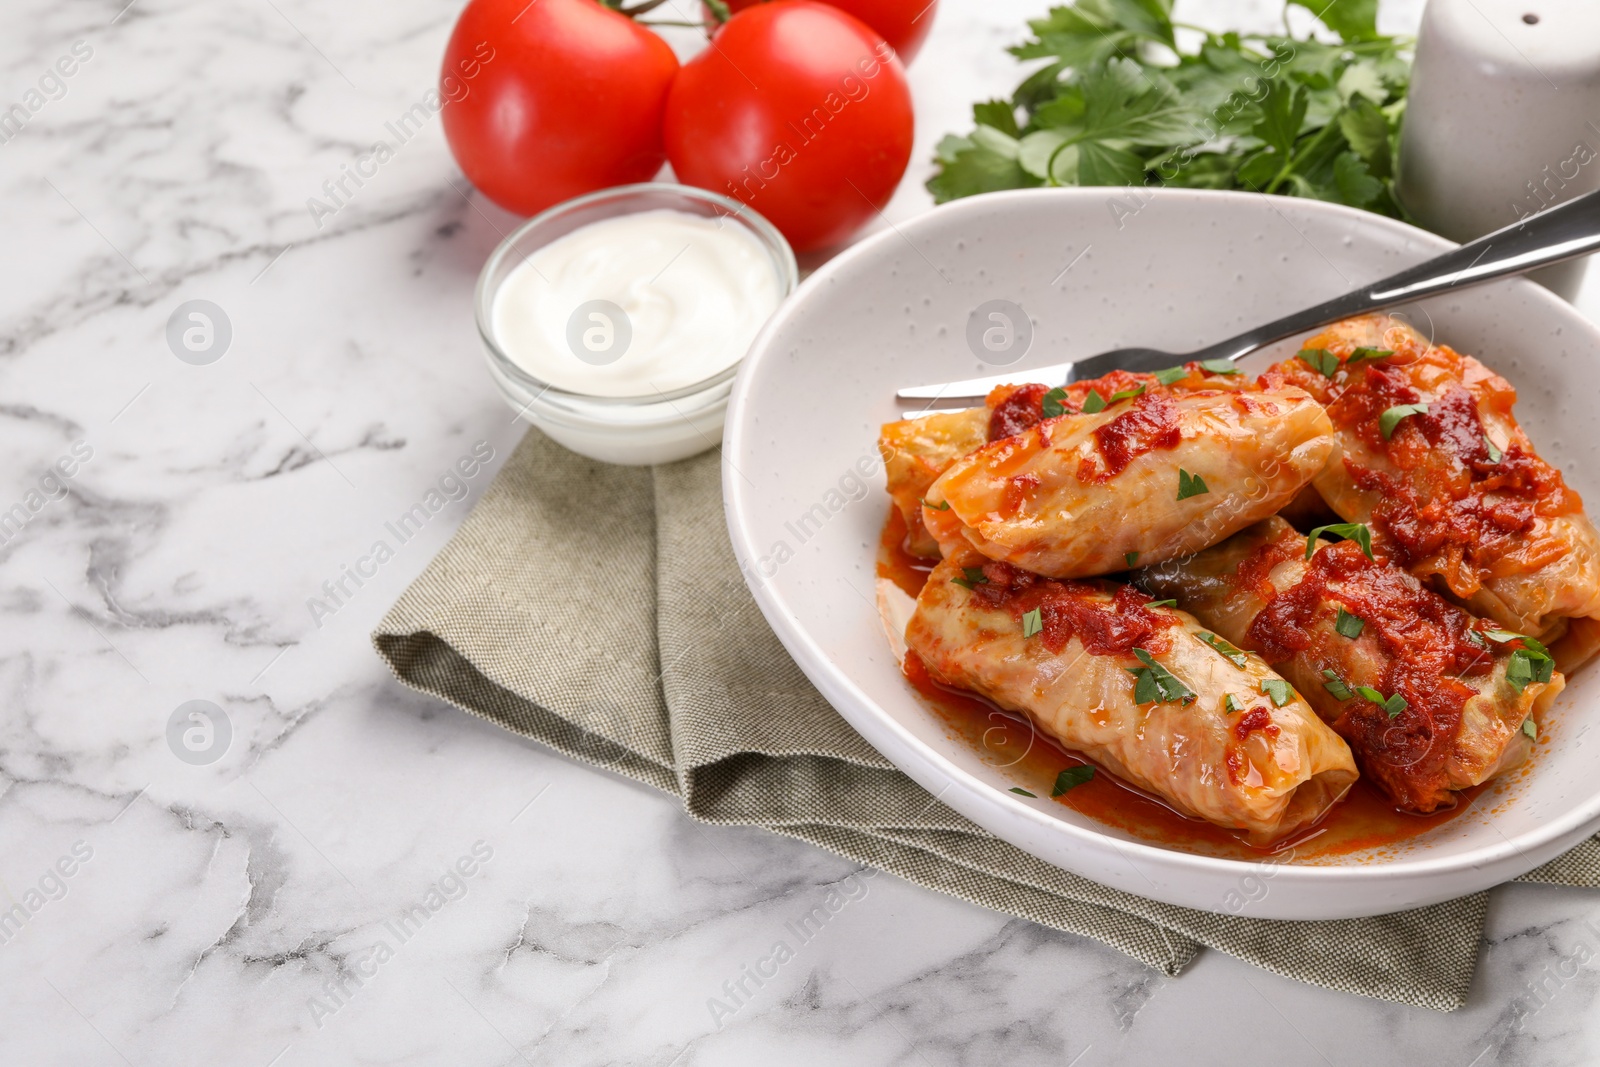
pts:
[655, 428]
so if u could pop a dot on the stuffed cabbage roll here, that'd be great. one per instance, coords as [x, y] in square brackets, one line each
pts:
[1149, 477]
[1430, 456]
[1134, 686]
[1431, 699]
[917, 450]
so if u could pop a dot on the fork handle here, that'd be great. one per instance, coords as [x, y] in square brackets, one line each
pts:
[1554, 235]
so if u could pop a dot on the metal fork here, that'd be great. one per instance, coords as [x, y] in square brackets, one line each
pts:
[1553, 236]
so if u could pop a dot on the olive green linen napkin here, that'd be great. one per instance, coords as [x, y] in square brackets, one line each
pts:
[599, 610]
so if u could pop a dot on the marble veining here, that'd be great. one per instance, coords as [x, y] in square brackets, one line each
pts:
[363, 875]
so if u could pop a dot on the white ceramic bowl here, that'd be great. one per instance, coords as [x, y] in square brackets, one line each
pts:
[1175, 269]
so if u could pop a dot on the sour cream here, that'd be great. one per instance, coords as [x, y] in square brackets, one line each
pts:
[635, 305]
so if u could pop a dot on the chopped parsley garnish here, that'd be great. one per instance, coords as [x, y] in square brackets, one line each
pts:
[1190, 485]
[1279, 690]
[1131, 557]
[1393, 705]
[1156, 684]
[1320, 360]
[1336, 686]
[1348, 625]
[1353, 531]
[1095, 402]
[971, 576]
[1391, 417]
[1368, 353]
[1052, 402]
[1530, 663]
[1494, 449]
[1232, 653]
[1172, 374]
[1220, 366]
[1071, 778]
[1032, 623]
[943, 505]
[1530, 728]
[1528, 666]
[1533, 644]
[1162, 604]
[1023, 792]
[1227, 703]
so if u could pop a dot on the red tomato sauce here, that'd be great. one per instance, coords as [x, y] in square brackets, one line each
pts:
[1077, 608]
[1150, 424]
[1021, 410]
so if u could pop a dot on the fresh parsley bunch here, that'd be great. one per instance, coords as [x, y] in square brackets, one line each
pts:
[1119, 102]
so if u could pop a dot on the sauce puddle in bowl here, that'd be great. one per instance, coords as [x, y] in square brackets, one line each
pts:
[1365, 822]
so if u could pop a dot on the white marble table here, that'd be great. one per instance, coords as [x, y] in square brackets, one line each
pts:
[232, 912]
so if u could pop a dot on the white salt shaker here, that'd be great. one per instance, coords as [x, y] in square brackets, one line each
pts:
[1503, 117]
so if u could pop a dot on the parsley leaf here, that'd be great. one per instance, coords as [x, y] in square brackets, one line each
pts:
[1348, 625]
[943, 505]
[1352, 20]
[1391, 417]
[1366, 128]
[1227, 703]
[1162, 604]
[1155, 684]
[1320, 360]
[1234, 655]
[1279, 690]
[1220, 366]
[1367, 353]
[1051, 402]
[1093, 402]
[1528, 666]
[1353, 531]
[1071, 778]
[1281, 113]
[1172, 374]
[1530, 728]
[1132, 558]
[1190, 485]
[1392, 705]
[1023, 792]
[1336, 686]
[1357, 187]
[1115, 97]
[1032, 623]
[1494, 449]
[1503, 636]
[971, 165]
[971, 578]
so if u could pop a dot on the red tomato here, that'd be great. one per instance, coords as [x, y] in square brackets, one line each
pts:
[554, 98]
[903, 23]
[798, 110]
